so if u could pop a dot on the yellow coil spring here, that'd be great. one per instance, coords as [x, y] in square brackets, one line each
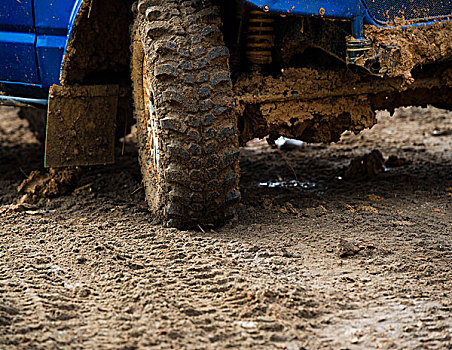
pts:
[260, 38]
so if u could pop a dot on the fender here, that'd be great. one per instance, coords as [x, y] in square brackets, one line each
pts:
[71, 24]
[54, 22]
[74, 13]
[75, 18]
[97, 46]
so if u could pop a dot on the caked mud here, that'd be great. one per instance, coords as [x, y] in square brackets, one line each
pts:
[97, 51]
[319, 105]
[400, 50]
[301, 103]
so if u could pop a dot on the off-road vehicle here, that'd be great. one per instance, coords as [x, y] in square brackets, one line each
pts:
[203, 77]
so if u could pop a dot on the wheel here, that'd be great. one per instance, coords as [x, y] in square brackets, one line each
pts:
[186, 123]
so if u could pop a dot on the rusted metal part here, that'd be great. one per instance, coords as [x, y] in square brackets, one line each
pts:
[81, 125]
[260, 38]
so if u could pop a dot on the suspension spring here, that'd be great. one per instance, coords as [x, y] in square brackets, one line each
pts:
[260, 38]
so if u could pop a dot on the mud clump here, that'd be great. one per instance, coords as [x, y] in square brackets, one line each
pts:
[303, 104]
[54, 183]
[413, 46]
[368, 165]
[348, 248]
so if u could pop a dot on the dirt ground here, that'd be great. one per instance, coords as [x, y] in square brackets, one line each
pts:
[91, 270]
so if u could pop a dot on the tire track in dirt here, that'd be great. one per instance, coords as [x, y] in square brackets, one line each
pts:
[91, 270]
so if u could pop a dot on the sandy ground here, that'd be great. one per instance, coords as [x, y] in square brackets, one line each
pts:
[91, 270]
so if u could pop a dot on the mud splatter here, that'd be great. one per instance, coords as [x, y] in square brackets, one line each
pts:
[47, 184]
[412, 46]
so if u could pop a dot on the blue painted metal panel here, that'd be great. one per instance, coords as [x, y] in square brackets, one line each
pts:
[50, 50]
[52, 18]
[16, 16]
[342, 9]
[327, 8]
[17, 57]
[17, 42]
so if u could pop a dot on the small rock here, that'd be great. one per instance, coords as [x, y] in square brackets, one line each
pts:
[81, 259]
[354, 340]
[247, 325]
[445, 132]
[285, 144]
[375, 198]
[347, 248]
[370, 164]
[83, 292]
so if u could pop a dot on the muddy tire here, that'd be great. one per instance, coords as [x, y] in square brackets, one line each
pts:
[188, 143]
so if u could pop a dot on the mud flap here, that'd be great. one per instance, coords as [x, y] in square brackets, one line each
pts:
[81, 125]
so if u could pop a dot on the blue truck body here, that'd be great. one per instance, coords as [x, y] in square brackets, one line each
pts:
[33, 37]
[376, 12]
[34, 33]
